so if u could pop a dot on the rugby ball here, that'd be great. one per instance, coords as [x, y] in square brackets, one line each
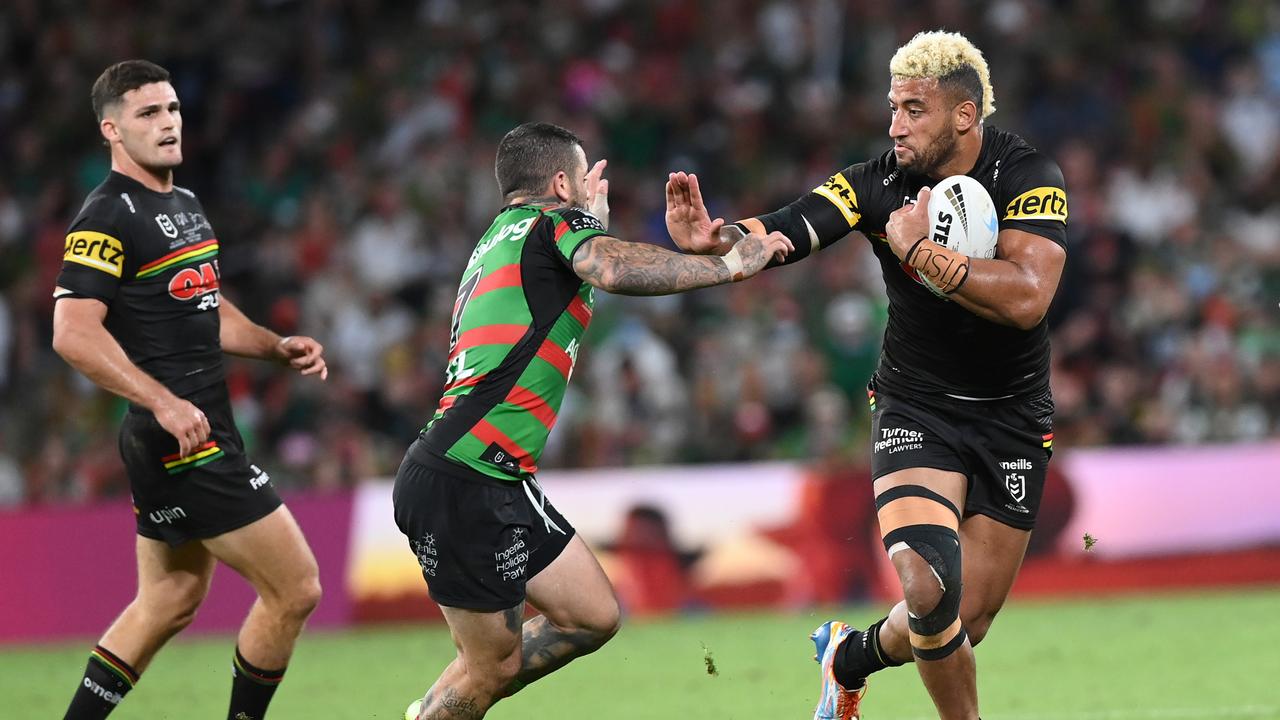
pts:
[963, 218]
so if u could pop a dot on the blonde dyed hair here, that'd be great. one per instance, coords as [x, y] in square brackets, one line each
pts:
[939, 54]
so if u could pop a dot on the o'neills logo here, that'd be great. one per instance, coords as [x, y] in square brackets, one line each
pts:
[111, 697]
[1019, 464]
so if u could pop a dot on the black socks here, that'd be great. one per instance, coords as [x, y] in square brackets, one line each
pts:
[860, 655]
[106, 680]
[251, 689]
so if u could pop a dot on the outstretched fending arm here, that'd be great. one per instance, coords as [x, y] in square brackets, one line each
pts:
[812, 222]
[632, 268]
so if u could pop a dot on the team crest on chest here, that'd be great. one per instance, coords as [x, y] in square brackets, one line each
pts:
[166, 225]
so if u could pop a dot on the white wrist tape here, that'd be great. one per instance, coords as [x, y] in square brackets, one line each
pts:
[733, 261]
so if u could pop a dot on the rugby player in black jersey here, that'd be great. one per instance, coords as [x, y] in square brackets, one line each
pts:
[139, 312]
[961, 409]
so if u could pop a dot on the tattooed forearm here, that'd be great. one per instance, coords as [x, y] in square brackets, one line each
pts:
[630, 268]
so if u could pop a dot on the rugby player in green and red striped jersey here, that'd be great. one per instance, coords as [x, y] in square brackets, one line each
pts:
[484, 533]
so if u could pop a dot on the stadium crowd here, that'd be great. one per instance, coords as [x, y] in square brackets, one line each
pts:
[344, 152]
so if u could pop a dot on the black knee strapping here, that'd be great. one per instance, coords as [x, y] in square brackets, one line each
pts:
[939, 653]
[939, 546]
[901, 491]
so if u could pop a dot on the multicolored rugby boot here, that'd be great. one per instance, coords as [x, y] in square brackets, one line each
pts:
[836, 702]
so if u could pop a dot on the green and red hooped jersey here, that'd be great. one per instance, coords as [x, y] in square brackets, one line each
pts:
[517, 325]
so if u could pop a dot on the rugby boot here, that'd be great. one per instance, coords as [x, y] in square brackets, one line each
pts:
[836, 702]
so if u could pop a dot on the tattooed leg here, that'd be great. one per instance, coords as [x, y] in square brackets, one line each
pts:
[450, 704]
[548, 648]
[487, 662]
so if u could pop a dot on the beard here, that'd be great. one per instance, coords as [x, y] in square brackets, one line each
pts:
[931, 157]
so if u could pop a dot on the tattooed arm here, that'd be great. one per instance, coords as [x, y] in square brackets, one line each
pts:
[631, 268]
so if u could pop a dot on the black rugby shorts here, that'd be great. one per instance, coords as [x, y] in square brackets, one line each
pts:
[211, 491]
[478, 540]
[1002, 446]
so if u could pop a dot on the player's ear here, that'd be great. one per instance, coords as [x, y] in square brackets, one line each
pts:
[560, 186]
[110, 132]
[965, 115]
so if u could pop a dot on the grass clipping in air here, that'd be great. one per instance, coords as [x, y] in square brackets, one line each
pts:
[709, 661]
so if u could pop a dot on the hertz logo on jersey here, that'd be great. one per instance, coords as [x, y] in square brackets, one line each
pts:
[1042, 203]
[839, 192]
[95, 250]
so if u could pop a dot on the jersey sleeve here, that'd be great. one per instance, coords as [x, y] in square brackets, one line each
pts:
[1032, 197]
[93, 257]
[571, 229]
[822, 216]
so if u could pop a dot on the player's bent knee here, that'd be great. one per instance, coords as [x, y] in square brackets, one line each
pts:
[920, 536]
[920, 588]
[170, 613]
[181, 616]
[596, 619]
[303, 598]
[608, 621]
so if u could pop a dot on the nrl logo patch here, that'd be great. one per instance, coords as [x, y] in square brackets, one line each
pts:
[166, 225]
[1016, 484]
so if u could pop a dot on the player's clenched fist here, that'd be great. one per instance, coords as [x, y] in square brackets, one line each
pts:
[303, 354]
[908, 224]
[753, 253]
[185, 422]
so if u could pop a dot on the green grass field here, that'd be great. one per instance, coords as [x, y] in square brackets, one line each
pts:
[1199, 656]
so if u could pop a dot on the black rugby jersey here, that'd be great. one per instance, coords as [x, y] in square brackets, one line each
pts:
[153, 259]
[932, 345]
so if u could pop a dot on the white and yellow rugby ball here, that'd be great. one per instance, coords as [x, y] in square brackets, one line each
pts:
[963, 218]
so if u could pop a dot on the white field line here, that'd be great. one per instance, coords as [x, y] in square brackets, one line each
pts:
[1217, 713]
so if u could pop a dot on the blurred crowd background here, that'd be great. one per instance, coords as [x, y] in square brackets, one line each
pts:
[344, 152]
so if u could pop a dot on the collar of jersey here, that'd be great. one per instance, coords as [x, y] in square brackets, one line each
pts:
[121, 177]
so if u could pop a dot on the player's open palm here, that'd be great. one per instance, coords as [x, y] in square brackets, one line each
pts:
[185, 422]
[688, 222]
[598, 193]
[756, 251]
[304, 354]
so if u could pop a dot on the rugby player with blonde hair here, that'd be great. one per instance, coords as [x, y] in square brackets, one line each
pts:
[960, 400]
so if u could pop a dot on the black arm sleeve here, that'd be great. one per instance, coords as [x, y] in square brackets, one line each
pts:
[823, 216]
